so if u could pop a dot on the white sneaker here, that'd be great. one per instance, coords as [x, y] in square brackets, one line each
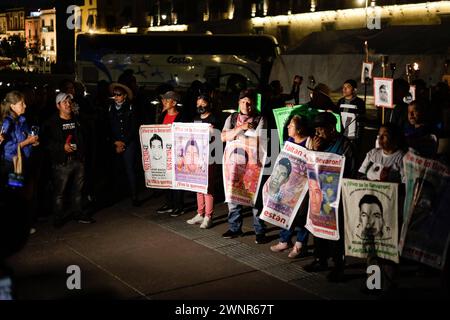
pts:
[197, 219]
[207, 223]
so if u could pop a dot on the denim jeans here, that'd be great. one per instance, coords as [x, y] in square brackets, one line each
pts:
[302, 235]
[125, 162]
[235, 219]
[71, 171]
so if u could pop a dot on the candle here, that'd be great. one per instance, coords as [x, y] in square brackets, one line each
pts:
[366, 49]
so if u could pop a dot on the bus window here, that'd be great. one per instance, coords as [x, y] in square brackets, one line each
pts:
[228, 62]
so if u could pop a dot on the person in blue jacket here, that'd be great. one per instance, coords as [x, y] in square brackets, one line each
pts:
[14, 132]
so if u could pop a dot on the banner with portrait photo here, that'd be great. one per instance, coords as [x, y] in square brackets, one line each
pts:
[191, 156]
[366, 71]
[426, 217]
[325, 171]
[371, 219]
[283, 115]
[156, 147]
[242, 171]
[383, 92]
[286, 188]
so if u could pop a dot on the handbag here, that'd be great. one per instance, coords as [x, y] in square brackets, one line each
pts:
[16, 179]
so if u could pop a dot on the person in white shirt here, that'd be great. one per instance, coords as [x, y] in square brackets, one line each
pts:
[386, 162]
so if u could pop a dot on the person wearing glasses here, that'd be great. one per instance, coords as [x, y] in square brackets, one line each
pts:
[123, 137]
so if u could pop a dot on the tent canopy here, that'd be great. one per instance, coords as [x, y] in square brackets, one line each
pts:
[399, 40]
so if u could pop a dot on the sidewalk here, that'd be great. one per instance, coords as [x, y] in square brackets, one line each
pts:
[135, 253]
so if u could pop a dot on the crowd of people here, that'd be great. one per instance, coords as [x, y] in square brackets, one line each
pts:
[62, 152]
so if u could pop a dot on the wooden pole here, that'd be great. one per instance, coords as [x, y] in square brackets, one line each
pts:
[366, 50]
[383, 67]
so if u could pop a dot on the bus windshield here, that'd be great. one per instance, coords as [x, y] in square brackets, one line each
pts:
[177, 59]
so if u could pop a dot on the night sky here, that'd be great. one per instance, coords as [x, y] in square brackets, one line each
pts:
[6, 4]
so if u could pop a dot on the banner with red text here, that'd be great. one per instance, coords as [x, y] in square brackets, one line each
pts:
[156, 147]
[286, 188]
[242, 171]
[325, 172]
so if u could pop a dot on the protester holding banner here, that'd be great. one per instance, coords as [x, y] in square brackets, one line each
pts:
[371, 226]
[170, 114]
[246, 125]
[205, 202]
[385, 163]
[299, 134]
[327, 139]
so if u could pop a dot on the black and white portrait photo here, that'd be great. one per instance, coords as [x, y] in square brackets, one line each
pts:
[383, 92]
[366, 71]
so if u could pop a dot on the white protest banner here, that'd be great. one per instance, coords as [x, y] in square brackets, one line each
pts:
[371, 219]
[191, 156]
[156, 147]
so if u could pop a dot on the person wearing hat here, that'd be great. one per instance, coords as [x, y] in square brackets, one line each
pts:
[64, 137]
[123, 137]
[327, 139]
[236, 126]
[351, 103]
[170, 114]
[320, 98]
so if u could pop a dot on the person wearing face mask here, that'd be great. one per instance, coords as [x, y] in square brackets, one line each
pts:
[205, 202]
[240, 125]
[123, 135]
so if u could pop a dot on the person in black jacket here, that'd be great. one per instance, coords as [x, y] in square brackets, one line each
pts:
[64, 139]
[349, 104]
[123, 136]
